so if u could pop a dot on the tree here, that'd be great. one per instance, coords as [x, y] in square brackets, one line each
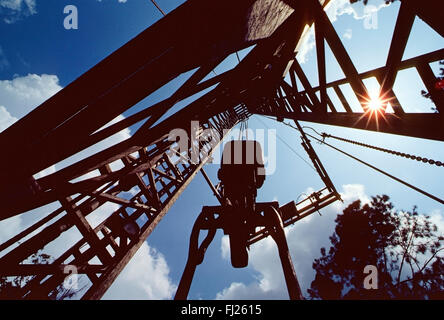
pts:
[404, 247]
[12, 289]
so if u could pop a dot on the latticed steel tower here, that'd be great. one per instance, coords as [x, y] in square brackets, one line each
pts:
[198, 35]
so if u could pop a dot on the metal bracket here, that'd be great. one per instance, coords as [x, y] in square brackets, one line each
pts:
[218, 217]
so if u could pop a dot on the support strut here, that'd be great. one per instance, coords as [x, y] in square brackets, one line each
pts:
[218, 217]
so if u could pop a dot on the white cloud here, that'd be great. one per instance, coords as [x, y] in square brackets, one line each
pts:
[305, 239]
[10, 4]
[253, 291]
[225, 247]
[337, 8]
[359, 11]
[437, 218]
[352, 192]
[17, 98]
[5, 118]
[145, 277]
[14, 10]
[22, 94]
[307, 44]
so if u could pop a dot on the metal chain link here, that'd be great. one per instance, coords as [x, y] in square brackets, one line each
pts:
[396, 153]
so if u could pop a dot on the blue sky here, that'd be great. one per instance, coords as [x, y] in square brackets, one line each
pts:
[38, 57]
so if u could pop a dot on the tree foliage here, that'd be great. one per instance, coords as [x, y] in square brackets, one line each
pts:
[12, 288]
[405, 248]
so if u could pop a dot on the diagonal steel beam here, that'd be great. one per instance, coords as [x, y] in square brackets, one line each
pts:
[404, 23]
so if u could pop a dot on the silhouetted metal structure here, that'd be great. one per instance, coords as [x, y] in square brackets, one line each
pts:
[197, 35]
[266, 215]
[244, 220]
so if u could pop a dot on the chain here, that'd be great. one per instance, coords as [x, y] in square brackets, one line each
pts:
[325, 135]
[396, 153]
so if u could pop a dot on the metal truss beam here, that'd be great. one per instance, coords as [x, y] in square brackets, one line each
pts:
[198, 35]
[156, 179]
[304, 104]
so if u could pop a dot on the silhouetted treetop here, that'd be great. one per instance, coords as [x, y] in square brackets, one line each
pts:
[404, 247]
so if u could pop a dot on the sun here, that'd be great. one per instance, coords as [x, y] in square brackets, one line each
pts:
[375, 102]
[375, 105]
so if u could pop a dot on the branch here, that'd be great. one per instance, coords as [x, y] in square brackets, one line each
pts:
[405, 252]
[431, 258]
[403, 281]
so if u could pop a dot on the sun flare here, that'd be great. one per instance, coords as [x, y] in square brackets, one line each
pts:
[375, 102]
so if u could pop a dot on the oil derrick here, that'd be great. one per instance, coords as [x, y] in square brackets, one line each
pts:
[197, 35]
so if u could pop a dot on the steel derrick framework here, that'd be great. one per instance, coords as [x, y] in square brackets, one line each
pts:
[197, 35]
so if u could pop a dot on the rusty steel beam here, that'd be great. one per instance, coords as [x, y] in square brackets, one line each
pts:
[339, 51]
[379, 72]
[173, 45]
[431, 13]
[419, 125]
[404, 24]
[277, 50]
[110, 264]
[206, 109]
[198, 34]
[320, 53]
